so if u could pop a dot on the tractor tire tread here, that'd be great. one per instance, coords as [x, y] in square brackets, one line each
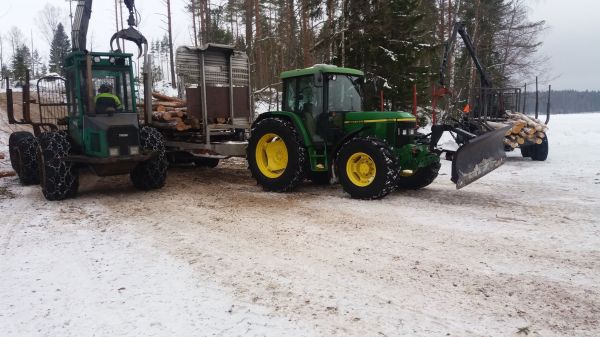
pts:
[383, 184]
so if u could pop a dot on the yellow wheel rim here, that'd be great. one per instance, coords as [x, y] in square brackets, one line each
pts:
[361, 169]
[271, 155]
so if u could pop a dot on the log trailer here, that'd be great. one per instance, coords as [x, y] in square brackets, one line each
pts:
[495, 108]
[76, 129]
[215, 92]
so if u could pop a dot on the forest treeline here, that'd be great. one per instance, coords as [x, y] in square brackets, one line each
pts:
[564, 102]
[398, 43]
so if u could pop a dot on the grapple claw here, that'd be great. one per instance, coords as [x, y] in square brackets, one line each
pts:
[133, 35]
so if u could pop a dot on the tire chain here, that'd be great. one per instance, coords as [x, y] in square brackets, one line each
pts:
[392, 175]
[27, 161]
[13, 147]
[60, 180]
[151, 174]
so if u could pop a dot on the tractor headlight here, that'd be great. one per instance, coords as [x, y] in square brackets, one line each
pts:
[134, 150]
[97, 59]
[112, 60]
[113, 151]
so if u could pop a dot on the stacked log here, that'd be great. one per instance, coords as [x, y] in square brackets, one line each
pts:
[170, 113]
[524, 129]
[532, 129]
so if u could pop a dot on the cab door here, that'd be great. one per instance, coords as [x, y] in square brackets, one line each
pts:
[305, 99]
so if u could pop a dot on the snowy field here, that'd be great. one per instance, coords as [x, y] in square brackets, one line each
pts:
[514, 254]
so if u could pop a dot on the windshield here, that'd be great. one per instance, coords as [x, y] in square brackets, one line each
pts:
[112, 85]
[344, 93]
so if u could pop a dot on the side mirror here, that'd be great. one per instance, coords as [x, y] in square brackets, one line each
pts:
[318, 80]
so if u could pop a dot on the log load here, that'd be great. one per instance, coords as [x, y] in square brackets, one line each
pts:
[523, 129]
[170, 113]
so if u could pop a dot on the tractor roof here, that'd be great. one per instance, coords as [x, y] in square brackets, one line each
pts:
[321, 68]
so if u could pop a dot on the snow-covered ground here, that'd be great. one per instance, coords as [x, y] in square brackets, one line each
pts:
[516, 253]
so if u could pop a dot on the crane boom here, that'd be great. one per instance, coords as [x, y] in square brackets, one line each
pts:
[460, 28]
[83, 14]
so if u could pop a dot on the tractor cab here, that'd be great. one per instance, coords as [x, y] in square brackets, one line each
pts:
[320, 96]
[102, 116]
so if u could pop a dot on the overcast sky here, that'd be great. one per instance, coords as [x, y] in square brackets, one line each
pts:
[572, 41]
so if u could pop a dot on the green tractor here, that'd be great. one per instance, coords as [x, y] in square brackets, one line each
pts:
[322, 133]
[81, 125]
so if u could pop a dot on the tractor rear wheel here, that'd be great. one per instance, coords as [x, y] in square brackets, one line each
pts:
[539, 152]
[58, 177]
[526, 151]
[420, 179]
[367, 168]
[152, 173]
[22, 149]
[276, 155]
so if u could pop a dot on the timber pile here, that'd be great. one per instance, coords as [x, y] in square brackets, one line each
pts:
[524, 129]
[171, 113]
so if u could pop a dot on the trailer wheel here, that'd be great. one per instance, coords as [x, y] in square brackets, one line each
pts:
[525, 151]
[420, 179]
[59, 178]
[539, 152]
[206, 162]
[276, 155]
[152, 173]
[367, 168]
[24, 159]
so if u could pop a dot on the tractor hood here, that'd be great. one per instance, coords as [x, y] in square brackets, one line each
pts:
[378, 117]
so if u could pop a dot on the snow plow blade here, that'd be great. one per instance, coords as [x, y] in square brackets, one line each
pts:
[480, 156]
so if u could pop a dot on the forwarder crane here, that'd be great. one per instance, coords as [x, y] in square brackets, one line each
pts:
[492, 103]
[77, 129]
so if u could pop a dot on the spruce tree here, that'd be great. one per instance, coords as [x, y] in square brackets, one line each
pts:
[59, 49]
[20, 62]
[386, 41]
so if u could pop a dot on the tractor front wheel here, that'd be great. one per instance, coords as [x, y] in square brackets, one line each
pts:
[367, 168]
[59, 178]
[420, 179]
[276, 155]
[152, 173]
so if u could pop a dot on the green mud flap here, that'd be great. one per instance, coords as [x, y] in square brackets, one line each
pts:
[480, 156]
